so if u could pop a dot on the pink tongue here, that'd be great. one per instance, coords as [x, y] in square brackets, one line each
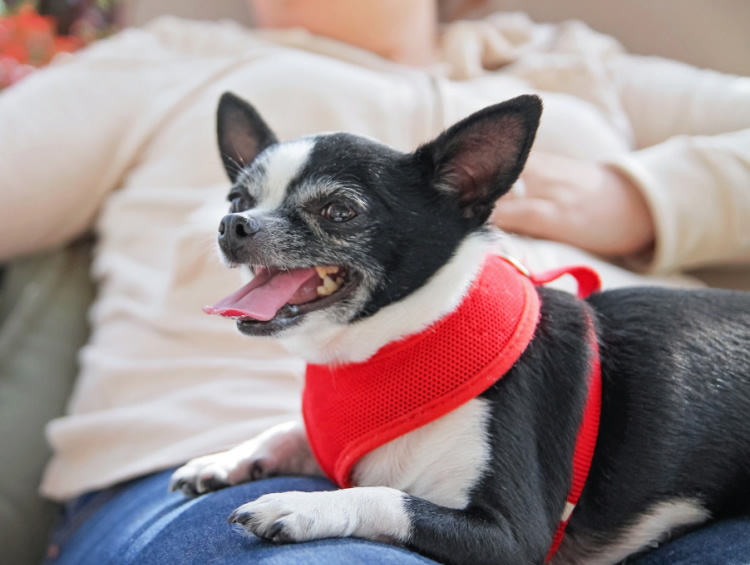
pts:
[262, 297]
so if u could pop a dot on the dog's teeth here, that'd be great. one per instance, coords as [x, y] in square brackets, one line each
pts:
[329, 284]
[339, 281]
[327, 270]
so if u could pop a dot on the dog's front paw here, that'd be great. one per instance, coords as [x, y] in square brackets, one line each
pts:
[296, 516]
[214, 472]
[281, 450]
[376, 513]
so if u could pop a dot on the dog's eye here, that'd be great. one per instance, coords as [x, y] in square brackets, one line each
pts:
[337, 213]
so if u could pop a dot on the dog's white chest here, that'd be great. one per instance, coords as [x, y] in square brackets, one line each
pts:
[439, 462]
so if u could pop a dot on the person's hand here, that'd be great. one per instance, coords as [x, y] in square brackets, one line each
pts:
[584, 204]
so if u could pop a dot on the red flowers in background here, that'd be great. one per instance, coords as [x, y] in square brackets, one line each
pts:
[29, 40]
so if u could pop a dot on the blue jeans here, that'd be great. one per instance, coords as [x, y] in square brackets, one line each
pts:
[720, 543]
[140, 523]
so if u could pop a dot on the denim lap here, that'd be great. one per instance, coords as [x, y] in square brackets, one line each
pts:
[721, 543]
[140, 523]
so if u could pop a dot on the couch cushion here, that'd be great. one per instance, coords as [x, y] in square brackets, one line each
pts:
[43, 304]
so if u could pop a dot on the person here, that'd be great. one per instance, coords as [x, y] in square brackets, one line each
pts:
[646, 161]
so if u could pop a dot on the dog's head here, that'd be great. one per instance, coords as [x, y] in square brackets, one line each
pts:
[335, 226]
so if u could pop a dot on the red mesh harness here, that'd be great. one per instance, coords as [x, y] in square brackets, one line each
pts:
[352, 409]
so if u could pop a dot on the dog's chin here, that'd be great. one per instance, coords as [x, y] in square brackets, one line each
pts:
[291, 316]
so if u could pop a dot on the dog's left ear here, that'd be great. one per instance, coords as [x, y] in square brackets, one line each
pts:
[242, 134]
[478, 159]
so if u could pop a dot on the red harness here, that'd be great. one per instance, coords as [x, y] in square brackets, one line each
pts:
[352, 409]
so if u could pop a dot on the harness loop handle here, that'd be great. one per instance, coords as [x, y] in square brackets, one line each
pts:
[587, 278]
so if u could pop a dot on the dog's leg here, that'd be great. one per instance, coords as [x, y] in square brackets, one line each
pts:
[386, 514]
[365, 512]
[281, 450]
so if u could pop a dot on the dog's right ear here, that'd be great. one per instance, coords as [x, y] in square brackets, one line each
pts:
[478, 159]
[242, 134]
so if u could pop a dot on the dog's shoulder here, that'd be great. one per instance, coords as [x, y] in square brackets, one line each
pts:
[440, 462]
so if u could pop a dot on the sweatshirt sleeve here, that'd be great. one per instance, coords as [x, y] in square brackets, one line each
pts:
[69, 134]
[692, 160]
[59, 136]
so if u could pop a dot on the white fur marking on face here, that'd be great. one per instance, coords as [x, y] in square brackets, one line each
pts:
[440, 462]
[319, 340]
[376, 513]
[651, 529]
[282, 163]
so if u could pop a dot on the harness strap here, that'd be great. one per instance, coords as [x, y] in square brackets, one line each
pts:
[587, 278]
[585, 442]
[588, 282]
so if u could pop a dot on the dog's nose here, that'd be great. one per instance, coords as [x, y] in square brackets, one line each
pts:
[237, 226]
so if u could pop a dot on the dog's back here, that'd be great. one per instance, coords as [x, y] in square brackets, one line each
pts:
[674, 443]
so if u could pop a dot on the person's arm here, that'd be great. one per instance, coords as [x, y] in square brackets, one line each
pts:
[692, 128]
[681, 199]
[60, 150]
[665, 98]
[68, 133]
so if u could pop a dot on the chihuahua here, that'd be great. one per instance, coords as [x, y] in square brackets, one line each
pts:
[378, 268]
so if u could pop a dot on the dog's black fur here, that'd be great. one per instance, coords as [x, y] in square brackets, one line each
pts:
[675, 395]
[675, 364]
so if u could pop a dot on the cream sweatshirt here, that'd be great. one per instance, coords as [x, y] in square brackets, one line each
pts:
[120, 138]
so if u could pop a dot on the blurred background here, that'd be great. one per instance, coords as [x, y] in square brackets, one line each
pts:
[706, 34]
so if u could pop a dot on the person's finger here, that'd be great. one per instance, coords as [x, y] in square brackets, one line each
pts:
[533, 185]
[530, 216]
[518, 190]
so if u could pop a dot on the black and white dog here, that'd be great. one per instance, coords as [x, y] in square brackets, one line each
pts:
[396, 239]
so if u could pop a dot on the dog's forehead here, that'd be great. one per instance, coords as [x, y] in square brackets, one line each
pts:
[306, 166]
[277, 168]
[333, 152]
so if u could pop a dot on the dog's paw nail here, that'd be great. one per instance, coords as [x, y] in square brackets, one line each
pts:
[213, 483]
[276, 533]
[182, 485]
[239, 517]
[258, 470]
[188, 489]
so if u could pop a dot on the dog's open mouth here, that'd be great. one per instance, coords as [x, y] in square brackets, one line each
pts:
[276, 294]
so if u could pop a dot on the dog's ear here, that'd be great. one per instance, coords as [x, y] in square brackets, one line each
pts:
[478, 159]
[242, 134]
